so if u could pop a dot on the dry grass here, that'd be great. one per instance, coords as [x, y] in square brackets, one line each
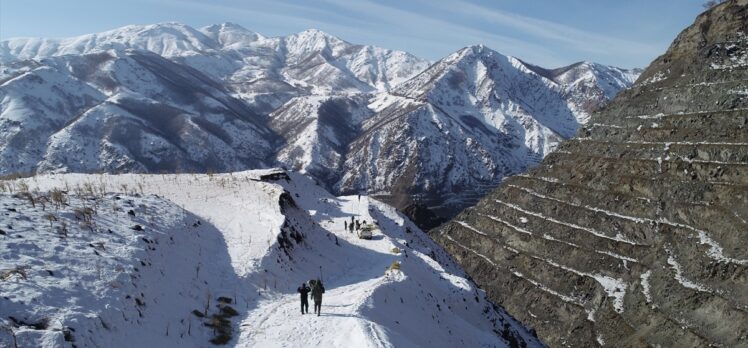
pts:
[394, 266]
[19, 270]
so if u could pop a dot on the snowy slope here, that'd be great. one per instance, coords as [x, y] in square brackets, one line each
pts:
[34, 104]
[446, 136]
[588, 86]
[125, 111]
[317, 131]
[307, 62]
[103, 283]
[163, 97]
[255, 242]
[166, 39]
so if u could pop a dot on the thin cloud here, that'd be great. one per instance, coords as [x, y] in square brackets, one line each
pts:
[564, 37]
[582, 40]
[444, 32]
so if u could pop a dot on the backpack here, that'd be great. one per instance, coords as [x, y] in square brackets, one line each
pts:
[317, 287]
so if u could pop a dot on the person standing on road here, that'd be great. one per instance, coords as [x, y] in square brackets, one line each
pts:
[304, 291]
[317, 291]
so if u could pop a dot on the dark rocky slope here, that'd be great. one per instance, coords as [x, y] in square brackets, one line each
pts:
[633, 233]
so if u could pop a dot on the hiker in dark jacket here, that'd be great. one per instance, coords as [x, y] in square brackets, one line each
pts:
[304, 291]
[345, 225]
[317, 291]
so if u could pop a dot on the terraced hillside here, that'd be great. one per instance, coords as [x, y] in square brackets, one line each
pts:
[635, 232]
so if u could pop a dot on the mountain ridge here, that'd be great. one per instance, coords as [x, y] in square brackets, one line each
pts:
[497, 116]
[457, 128]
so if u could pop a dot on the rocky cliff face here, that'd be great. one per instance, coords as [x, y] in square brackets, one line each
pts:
[634, 232]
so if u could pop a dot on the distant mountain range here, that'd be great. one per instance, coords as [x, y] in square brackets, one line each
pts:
[428, 138]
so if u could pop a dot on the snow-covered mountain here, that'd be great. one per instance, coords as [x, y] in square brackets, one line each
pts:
[444, 137]
[168, 97]
[267, 71]
[125, 111]
[589, 86]
[138, 260]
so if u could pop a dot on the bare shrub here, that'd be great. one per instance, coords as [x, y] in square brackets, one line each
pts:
[394, 266]
[18, 270]
[88, 190]
[86, 213]
[51, 218]
[23, 187]
[58, 198]
[29, 197]
[63, 230]
[42, 200]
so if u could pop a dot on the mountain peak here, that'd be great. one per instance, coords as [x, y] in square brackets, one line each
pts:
[312, 41]
[314, 31]
[231, 35]
[232, 25]
[483, 53]
[171, 25]
[226, 26]
[474, 50]
[587, 71]
[478, 48]
[313, 34]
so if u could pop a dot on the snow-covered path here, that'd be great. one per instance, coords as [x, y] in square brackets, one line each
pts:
[278, 322]
[339, 312]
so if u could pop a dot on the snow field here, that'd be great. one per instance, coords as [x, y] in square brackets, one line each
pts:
[254, 244]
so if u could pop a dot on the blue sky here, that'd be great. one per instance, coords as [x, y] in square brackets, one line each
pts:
[551, 33]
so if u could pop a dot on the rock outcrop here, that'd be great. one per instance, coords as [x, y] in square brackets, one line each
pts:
[634, 232]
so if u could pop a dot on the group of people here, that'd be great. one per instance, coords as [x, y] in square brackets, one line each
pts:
[317, 289]
[354, 224]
